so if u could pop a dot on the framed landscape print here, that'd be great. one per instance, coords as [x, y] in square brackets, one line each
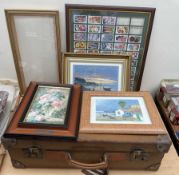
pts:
[47, 109]
[35, 43]
[97, 72]
[108, 30]
[119, 112]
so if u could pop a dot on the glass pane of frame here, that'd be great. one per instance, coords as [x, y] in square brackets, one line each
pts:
[111, 30]
[35, 44]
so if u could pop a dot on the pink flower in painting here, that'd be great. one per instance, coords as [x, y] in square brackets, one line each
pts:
[32, 113]
[56, 103]
[39, 118]
[44, 98]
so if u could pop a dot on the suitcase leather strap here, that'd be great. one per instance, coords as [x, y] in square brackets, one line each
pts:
[93, 166]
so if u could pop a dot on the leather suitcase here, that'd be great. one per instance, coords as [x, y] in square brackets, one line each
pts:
[123, 152]
[93, 151]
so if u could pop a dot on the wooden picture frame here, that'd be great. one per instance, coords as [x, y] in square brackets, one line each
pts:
[67, 130]
[35, 43]
[137, 114]
[109, 29]
[97, 72]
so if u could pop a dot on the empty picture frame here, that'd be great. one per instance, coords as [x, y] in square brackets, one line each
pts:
[111, 29]
[35, 42]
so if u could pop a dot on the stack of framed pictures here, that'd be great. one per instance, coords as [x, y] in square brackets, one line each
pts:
[35, 39]
[111, 30]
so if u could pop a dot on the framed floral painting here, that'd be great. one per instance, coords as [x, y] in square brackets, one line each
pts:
[47, 110]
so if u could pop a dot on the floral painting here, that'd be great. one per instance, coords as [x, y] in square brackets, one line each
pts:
[49, 106]
[130, 110]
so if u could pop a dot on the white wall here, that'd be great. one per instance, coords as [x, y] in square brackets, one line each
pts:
[163, 54]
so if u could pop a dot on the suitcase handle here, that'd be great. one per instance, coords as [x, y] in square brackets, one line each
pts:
[92, 166]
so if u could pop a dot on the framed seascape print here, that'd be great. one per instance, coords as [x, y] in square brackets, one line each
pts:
[35, 42]
[119, 112]
[48, 110]
[97, 72]
[104, 29]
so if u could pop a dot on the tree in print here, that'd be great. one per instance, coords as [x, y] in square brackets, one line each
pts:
[122, 104]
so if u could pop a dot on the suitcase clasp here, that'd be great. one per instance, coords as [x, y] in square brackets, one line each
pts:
[139, 154]
[33, 152]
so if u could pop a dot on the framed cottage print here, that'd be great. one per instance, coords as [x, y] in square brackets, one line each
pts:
[96, 72]
[119, 113]
[47, 110]
[104, 29]
[35, 42]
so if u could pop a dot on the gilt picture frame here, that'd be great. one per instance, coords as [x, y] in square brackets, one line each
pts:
[96, 72]
[35, 42]
[111, 30]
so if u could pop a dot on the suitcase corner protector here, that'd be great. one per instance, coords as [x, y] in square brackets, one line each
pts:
[163, 143]
[153, 167]
[17, 164]
[8, 142]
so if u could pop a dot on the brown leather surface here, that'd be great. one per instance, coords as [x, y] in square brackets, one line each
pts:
[54, 153]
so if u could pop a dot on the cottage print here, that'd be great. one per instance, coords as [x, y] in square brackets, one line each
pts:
[119, 110]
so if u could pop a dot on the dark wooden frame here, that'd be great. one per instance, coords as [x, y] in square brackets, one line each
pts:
[43, 125]
[69, 132]
[90, 9]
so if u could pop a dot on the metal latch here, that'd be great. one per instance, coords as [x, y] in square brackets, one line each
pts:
[139, 154]
[33, 152]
